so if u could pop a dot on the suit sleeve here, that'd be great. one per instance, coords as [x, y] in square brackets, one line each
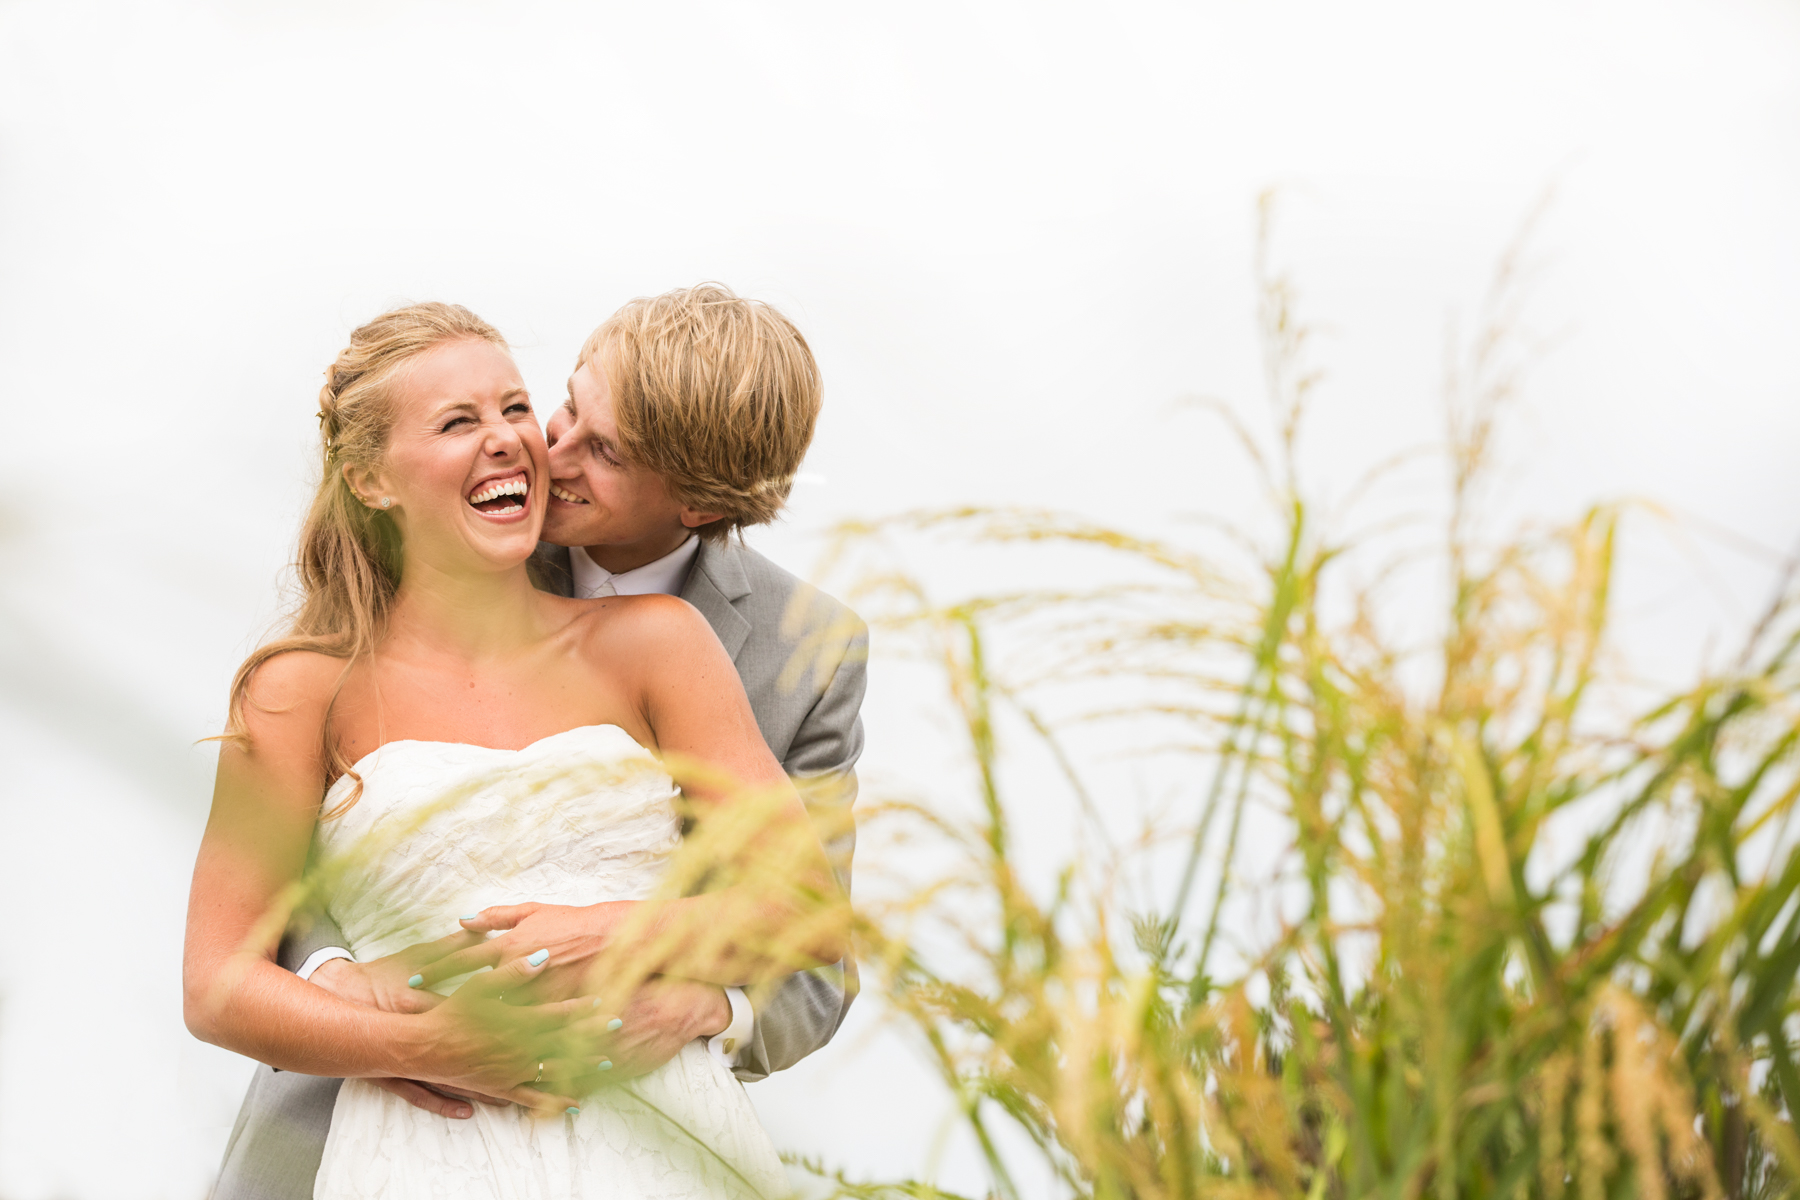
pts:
[800, 1013]
[309, 931]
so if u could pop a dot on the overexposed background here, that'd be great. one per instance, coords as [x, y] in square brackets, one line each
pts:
[1015, 235]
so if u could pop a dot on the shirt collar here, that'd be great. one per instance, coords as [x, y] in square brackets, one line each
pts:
[666, 575]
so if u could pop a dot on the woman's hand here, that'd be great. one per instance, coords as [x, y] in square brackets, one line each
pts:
[384, 983]
[530, 1054]
[573, 937]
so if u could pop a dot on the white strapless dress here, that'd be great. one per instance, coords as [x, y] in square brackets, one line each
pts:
[444, 829]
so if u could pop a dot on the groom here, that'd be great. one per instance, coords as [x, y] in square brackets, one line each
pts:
[687, 416]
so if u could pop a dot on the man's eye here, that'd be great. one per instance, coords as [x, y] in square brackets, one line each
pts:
[518, 407]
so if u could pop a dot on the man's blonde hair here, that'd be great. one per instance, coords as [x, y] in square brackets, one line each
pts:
[715, 393]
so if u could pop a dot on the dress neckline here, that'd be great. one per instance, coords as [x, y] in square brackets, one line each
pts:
[356, 767]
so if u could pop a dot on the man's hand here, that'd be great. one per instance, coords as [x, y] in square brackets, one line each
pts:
[441, 1099]
[662, 1016]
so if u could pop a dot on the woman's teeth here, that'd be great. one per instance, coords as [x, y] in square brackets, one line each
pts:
[560, 494]
[497, 494]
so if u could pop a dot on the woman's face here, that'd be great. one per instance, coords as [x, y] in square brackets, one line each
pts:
[466, 464]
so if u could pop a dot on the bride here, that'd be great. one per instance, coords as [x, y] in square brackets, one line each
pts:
[439, 736]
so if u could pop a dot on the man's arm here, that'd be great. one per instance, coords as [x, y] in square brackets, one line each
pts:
[310, 937]
[801, 1013]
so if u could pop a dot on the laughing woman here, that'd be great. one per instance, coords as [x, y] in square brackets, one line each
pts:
[453, 738]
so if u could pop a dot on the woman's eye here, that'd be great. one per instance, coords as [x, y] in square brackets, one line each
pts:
[452, 423]
[520, 407]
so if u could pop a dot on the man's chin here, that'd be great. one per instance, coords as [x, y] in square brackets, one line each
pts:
[564, 533]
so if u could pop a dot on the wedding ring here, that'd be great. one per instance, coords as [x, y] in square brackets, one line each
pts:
[540, 1074]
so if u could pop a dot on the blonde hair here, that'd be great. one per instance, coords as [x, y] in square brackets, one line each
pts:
[716, 394]
[349, 557]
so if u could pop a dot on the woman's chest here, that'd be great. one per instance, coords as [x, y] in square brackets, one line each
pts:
[504, 709]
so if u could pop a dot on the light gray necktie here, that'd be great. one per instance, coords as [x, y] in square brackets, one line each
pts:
[605, 589]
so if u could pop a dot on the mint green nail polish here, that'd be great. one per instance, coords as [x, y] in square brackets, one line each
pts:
[572, 1111]
[415, 981]
[537, 958]
[613, 1024]
[605, 1065]
[470, 917]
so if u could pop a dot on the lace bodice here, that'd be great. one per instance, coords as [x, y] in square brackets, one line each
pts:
[442, 829]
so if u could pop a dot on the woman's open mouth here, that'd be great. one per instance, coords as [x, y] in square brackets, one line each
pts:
[502, 497]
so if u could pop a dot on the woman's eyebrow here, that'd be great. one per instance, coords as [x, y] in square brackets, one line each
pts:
[451, 406]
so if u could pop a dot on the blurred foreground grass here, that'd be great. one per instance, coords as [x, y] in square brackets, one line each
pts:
[1531, 940]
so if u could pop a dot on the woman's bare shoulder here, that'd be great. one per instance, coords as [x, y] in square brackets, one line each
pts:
[297, 684]
[634, 628]
[659, 616]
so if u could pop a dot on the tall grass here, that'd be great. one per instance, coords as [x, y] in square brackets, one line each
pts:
[1534, 934]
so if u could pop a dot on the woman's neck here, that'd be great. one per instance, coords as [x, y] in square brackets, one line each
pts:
[466, 616]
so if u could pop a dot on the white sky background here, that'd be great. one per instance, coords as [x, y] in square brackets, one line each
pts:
[1014, 233]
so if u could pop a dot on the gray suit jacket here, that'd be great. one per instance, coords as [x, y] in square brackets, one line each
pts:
[802, 657]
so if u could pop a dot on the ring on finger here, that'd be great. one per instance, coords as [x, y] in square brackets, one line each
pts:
[540, 1075]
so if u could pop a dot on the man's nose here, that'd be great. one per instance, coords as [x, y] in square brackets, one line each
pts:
[562, 453]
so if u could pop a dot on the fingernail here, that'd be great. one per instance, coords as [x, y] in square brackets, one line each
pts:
[613, 1024]
[470, 917]
[596, 1002]
[537, 959]
[464, 1113]
[605, 1065]
[416, 981]
[573, 1111]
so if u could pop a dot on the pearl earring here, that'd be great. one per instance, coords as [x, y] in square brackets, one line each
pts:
[387, 502]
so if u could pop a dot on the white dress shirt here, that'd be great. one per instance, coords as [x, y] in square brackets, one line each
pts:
[666, 575]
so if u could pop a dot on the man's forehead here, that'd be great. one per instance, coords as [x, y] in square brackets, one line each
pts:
[584, 378]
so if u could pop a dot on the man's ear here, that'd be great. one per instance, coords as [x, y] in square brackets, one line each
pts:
[693, 518]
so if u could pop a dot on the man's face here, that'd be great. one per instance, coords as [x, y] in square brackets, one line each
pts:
[622, 512]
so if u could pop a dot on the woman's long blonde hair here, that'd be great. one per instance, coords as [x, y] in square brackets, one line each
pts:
[350, 555]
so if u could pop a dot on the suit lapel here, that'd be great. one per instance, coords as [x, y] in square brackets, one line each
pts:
[550, 569]
[715, 580]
